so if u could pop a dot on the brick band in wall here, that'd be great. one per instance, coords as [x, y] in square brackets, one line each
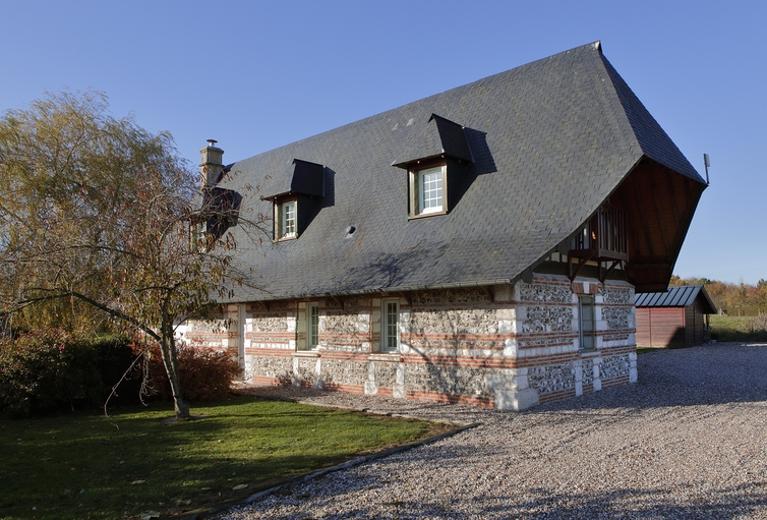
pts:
[508, 346]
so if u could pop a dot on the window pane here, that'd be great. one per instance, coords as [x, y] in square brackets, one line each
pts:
[587, 321]
[390, 324]
[287, 218]
[313, 326]
[430, 190]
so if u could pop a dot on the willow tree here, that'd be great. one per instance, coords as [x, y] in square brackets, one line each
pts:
[95, 213]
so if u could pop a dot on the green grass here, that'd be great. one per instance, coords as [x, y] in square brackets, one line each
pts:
[90, 467]
[735, 328]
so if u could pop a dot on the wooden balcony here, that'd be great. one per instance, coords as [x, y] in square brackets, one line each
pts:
[602, 239]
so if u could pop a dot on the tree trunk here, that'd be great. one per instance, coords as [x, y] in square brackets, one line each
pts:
[170, 361]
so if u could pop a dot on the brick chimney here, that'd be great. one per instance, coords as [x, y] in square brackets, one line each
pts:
[211, 164]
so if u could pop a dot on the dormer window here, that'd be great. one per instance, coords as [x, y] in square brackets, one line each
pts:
[285, 219]
[429, 190]
[296, 195]
[439, 165]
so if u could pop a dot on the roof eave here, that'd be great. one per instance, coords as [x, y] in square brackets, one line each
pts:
[381, 290]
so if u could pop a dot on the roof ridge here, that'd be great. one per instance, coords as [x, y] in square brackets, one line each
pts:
[595, 45]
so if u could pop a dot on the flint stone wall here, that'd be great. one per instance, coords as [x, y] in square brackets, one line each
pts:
[505, 344]
[615, 366]
[548, 379]
[587, 372]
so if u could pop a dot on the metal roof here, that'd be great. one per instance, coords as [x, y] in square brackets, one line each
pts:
[676, 297]
[549, 140]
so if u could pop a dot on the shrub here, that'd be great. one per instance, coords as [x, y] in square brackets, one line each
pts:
[48, 371]
[53, 371]
[206, 374]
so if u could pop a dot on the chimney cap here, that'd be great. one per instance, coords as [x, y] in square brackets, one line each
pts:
[212, 142]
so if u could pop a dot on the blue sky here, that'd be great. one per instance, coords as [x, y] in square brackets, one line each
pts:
[256, 75]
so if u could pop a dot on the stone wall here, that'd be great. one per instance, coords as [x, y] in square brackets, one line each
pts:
[217, 331]
[552, 378]
[508, 346]
[547, 309]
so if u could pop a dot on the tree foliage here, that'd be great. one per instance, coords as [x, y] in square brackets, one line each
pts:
[95, 219]
[739, 299]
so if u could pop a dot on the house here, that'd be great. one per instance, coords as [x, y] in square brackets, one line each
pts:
[677, 317]
[482, 245]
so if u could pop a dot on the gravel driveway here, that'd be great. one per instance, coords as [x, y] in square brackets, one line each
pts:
[688, 441]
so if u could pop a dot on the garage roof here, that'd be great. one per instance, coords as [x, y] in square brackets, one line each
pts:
[676, 297]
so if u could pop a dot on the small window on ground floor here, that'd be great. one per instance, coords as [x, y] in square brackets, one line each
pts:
[390, 326]
[312, 325]
[586, 321]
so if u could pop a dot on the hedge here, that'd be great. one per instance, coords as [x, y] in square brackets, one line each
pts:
[53, 371]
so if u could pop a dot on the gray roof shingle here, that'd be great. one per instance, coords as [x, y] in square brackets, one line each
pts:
[550, 141]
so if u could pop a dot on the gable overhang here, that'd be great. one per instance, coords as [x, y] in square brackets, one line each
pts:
[659, 204]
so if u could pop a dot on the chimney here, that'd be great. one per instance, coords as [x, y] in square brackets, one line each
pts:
[211, 164]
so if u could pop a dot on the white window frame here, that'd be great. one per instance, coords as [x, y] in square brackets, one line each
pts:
[417, 200]
[385, 337]
[312, 335]
[198, 236]
[280, 224]
[591, 334]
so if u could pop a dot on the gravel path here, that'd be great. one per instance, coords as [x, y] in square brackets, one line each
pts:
[688, 441]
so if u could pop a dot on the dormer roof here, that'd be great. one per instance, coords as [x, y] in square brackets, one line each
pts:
[301, 178]
[437, 137]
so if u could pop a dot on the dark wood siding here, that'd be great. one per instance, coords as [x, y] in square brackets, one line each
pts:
[661, 327]
[695, 323]
[670, 326]
[643, 327]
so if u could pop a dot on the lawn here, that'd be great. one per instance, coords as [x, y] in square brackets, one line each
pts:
[737, 328]
[93, 467]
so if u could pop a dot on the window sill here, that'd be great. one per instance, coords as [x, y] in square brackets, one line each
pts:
[385, 356]
[307, 353]
[283, 239]
[427, 215]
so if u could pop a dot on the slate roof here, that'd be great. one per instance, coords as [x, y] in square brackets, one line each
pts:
[681, 296]
[302, 177]
[550, 141]
[438, 137]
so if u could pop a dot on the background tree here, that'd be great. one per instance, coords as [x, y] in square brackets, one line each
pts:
[739, 299]
[95, 217]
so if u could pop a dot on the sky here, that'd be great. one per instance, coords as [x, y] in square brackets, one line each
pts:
[256, 75]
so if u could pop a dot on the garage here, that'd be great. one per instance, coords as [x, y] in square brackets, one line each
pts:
[677, 317]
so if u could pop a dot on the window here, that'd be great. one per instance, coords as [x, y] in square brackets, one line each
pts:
[586, 319]
[198, 237]
[390, 326]
[285, 219]
[312, 325]
[428, 188]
